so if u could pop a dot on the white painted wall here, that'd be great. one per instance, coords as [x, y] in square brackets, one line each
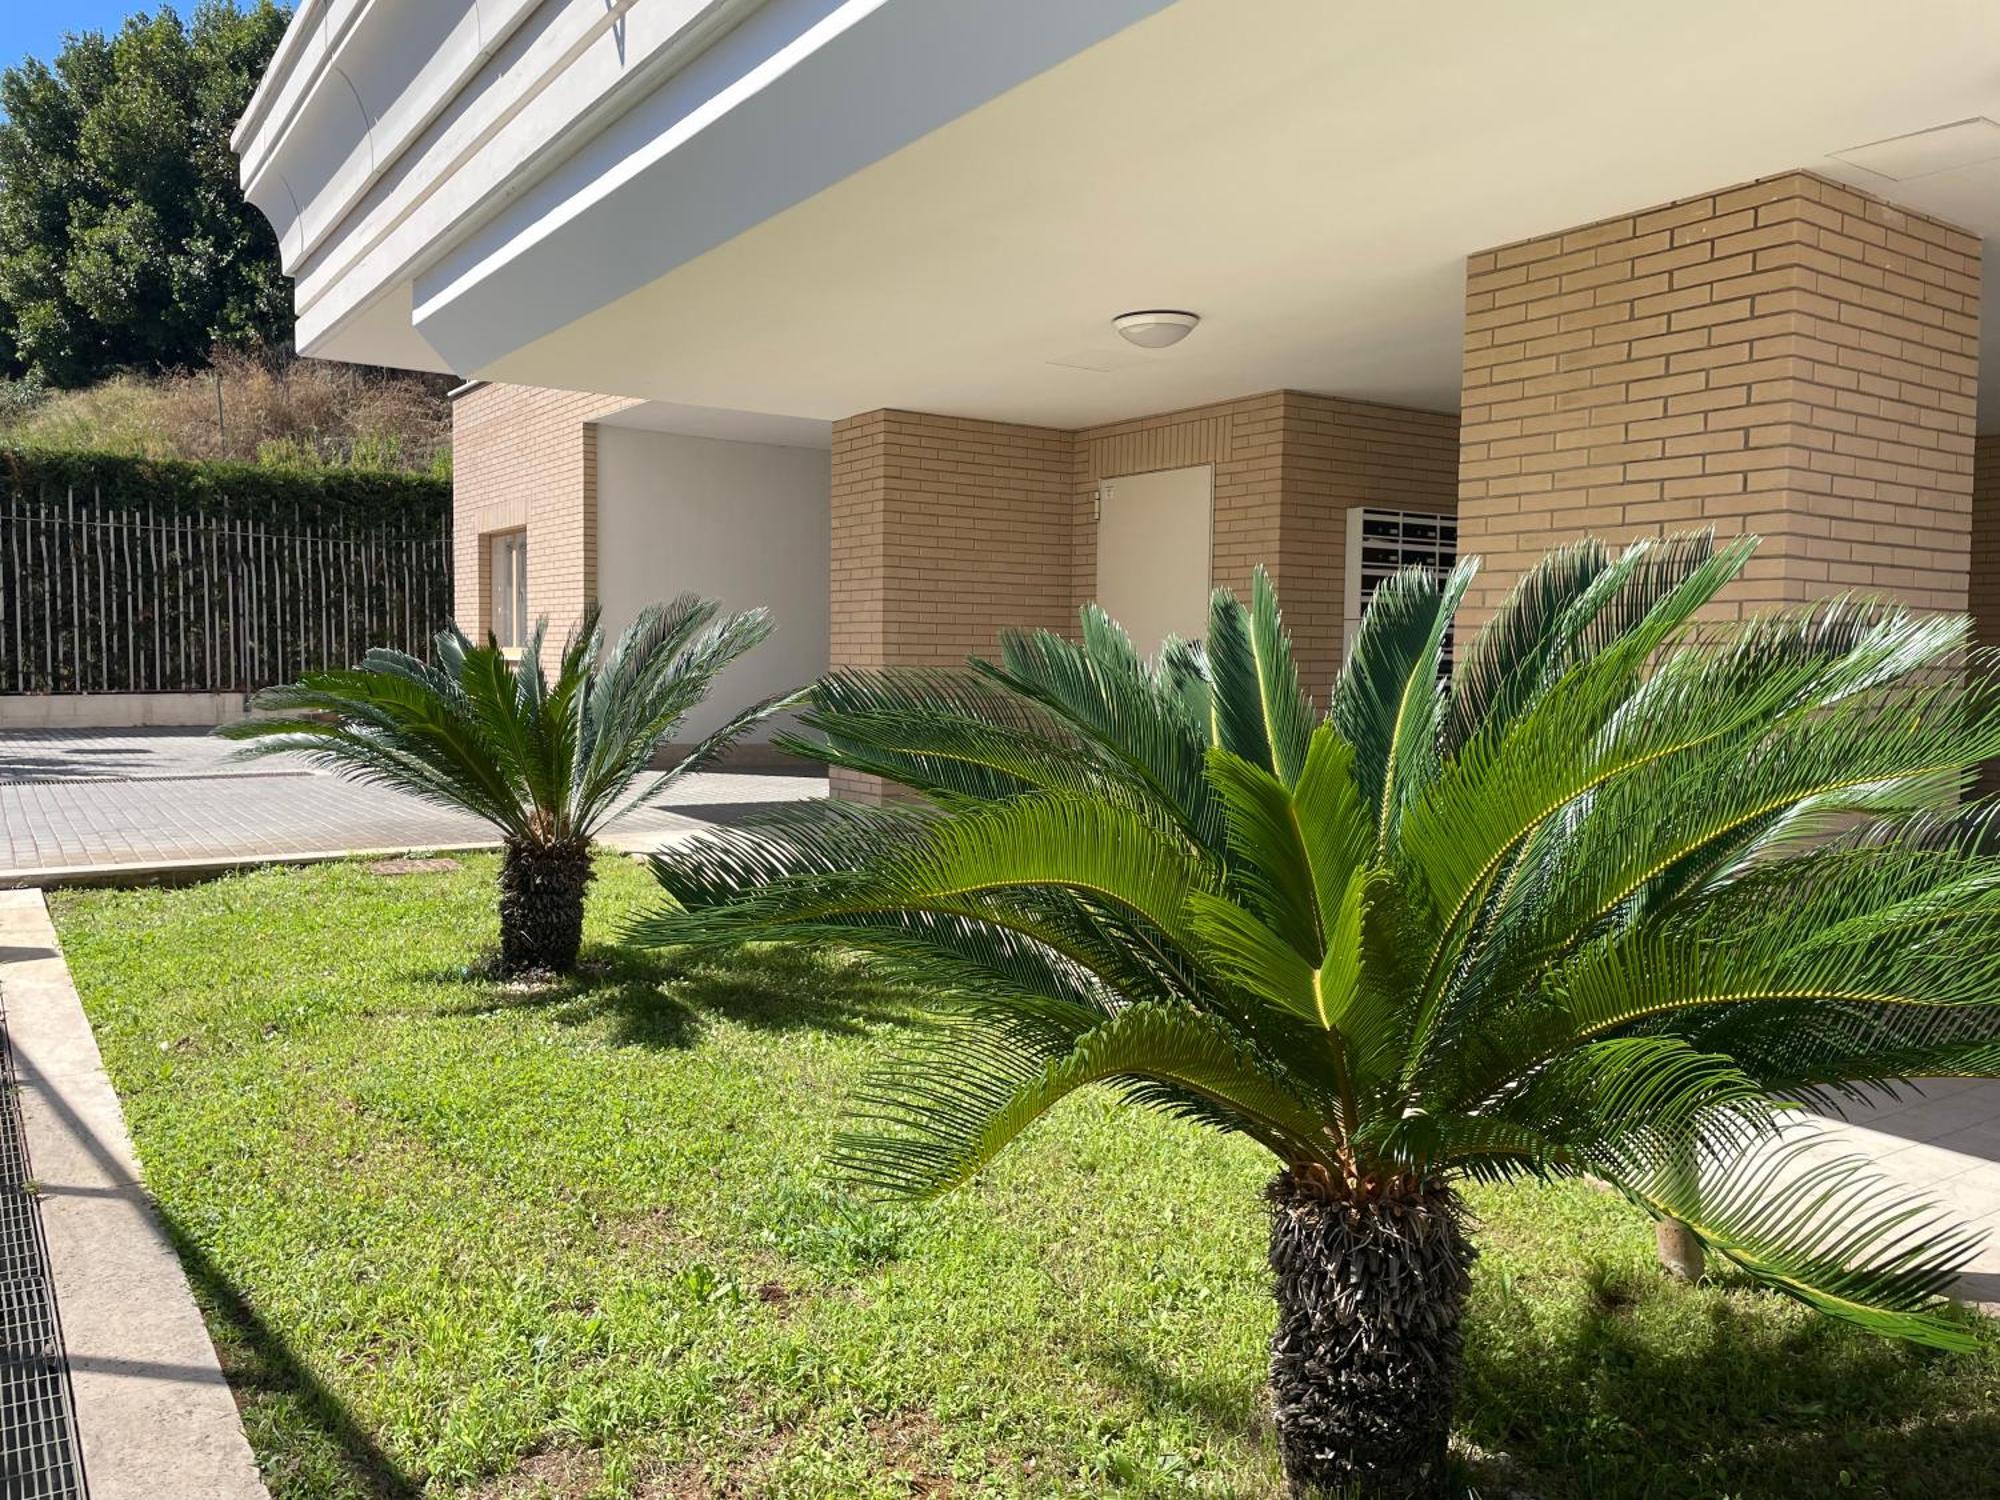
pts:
[744, 523]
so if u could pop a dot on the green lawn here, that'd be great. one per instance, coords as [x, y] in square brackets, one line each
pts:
[458, 1239]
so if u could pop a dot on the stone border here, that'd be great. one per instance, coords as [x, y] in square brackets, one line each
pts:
[154, 1415]
[121, 710]
[207, 867]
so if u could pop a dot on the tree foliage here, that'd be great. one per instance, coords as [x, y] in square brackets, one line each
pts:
[124, 238]
[547, 760]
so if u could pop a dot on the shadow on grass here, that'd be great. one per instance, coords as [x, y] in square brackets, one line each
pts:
[254, 1356]
[260, 1362]
[1637, 1398]
[664, 1000]
[1219, 1404]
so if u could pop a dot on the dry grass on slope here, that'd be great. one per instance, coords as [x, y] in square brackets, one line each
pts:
[303, 413]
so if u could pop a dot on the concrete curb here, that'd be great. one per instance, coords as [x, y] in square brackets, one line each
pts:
[154, 1415]
[208, 867]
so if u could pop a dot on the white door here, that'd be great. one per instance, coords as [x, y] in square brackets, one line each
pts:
[1153, 553]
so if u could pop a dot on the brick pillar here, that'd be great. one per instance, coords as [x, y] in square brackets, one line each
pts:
[945, 530]
[1791, 357]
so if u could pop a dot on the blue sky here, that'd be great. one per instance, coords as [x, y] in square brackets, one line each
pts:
[35, 28]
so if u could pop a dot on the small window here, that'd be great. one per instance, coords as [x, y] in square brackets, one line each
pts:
[1383, 542]
[510, 589]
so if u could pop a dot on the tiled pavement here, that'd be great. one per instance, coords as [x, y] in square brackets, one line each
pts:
[98, 801]
[1941, 1138]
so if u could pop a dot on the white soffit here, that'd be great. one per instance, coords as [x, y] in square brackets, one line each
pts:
[1902, 158]
[1307, 177]
[729, 426]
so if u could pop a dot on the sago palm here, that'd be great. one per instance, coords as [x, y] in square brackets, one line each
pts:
[1605, 899]
[546, 762]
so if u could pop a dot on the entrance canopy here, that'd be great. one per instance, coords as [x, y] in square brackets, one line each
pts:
[812, 208]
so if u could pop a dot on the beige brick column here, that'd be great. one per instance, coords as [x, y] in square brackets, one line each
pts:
[1288, 467]
[945, 531]
[1790, 357]
[524, 457]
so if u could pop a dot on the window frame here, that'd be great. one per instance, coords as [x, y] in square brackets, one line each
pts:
[507, 588]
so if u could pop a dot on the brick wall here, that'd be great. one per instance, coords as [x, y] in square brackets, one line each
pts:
[1338, 454]
[945, 530]
[523, 456]
[1790, 357]
[1240, 439]
[1288, 466]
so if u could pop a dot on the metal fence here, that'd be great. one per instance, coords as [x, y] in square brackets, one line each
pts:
[101, 598]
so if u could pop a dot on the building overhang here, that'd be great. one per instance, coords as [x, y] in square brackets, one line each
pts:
[812, 208]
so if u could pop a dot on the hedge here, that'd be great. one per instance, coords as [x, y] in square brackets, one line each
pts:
[359, 498]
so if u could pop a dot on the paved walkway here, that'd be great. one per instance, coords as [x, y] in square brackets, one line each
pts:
[1942, 1138]
[79, 803]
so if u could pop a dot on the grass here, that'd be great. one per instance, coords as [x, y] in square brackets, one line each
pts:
[456, 1239]
[287, 413]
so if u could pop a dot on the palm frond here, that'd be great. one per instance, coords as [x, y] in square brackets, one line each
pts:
[1132, 720]
[1502, 666]
[957, 1098]
[1389, 701]
[1257, 709]
[1828, 1230]
[544, 761]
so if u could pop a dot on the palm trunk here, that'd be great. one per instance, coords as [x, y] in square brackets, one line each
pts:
[1365, 1360]
[1680, 1253]
[541, 907]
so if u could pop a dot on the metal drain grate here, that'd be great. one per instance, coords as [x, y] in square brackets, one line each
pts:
[38, 1452]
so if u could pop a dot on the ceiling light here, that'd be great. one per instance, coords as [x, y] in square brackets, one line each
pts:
[1154, 329]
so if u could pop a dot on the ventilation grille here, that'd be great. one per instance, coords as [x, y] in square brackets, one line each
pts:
[1381, 543]
[38, 1451]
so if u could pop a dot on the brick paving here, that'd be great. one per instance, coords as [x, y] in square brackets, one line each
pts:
[95, 801]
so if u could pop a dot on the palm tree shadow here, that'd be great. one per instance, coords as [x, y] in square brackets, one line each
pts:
[1737, 1407]
[258, 1360]
[666, 1000]
[1219, 1404]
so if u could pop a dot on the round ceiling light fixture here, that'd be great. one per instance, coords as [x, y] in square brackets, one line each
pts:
[1155, 328]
